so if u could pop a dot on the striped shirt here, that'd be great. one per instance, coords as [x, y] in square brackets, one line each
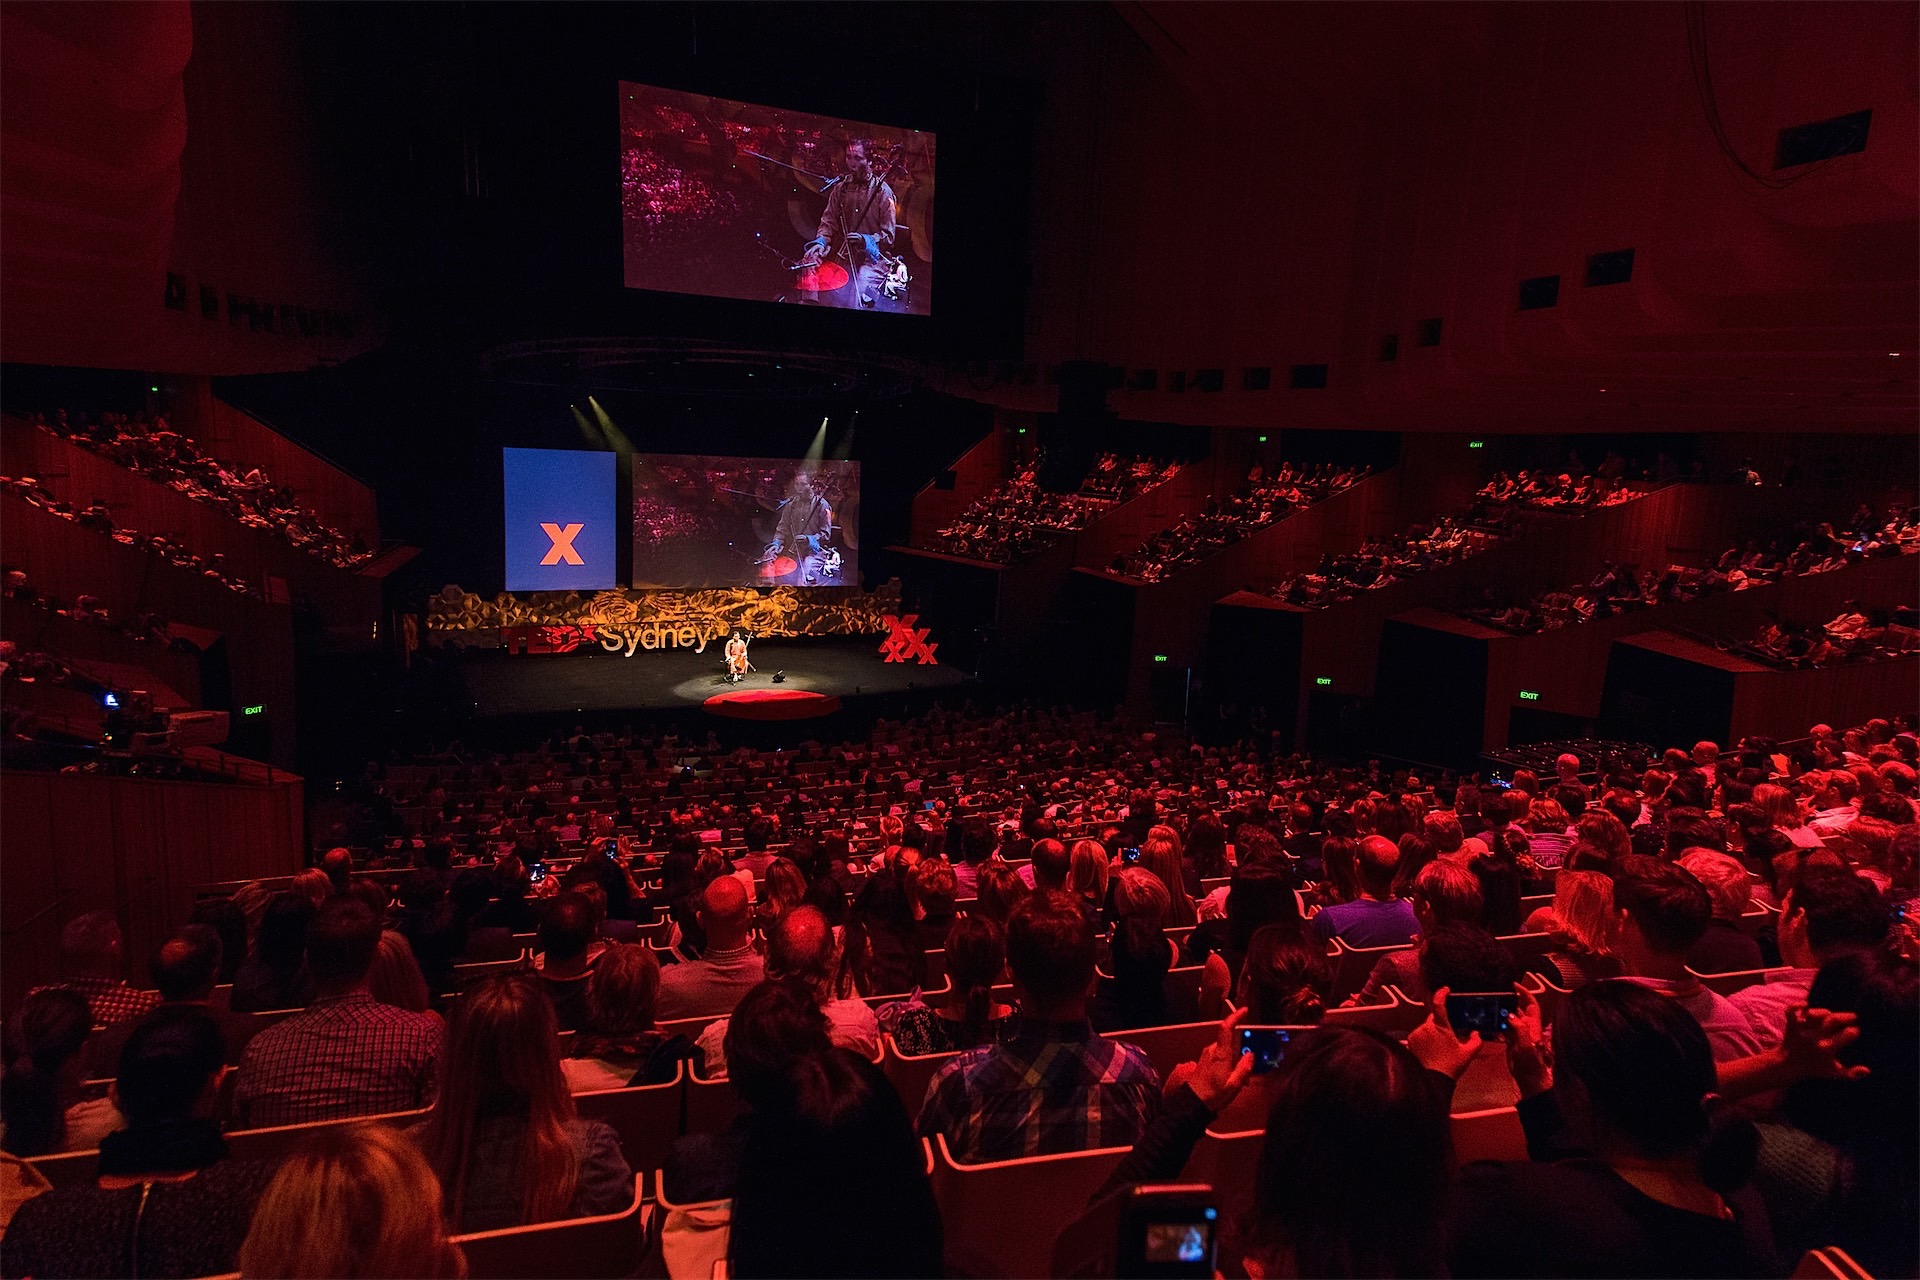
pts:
[1053, 1087]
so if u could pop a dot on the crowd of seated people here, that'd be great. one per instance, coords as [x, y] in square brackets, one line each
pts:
[96, 517]
[1858, 633]
[1117, 478]
[1381, 561]
[1549, 490]
[17, 588]
[151, 447]
[1672, 1128]
[1265, 498]
[1020, 517]
[1621, 588]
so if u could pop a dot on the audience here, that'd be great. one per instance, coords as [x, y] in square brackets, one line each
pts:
[165, 1199]
[275, 975]
[355, 1202]
[1055, 1085]
[1829, 913]
[90, 956]
[1375, 918]
[567, 932]
[41, 1108]
[966, 1015]
[728, 966]
[1264, 499]
[1661, 913]
[346, 1054]
[620, 1046]
[800, 951]
[503, 1138]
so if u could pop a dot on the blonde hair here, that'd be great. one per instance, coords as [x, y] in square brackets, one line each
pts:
[1583, 912]
[395, 978]
[1778, 804]
[502, 1058]
[1087, 874]
[313, 885]
[351, 1201]
[1139, 894]
[1725, 880]
[1161, 855]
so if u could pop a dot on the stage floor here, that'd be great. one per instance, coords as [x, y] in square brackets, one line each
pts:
[682, 680]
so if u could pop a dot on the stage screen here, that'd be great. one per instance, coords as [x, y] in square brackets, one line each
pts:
[734, 200]
[745, 522]
[560, 519]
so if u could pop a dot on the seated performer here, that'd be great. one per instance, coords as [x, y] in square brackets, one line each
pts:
[737, 664]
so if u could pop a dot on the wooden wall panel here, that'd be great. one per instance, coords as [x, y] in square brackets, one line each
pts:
[976, 473]
[73, 843]
[233, 436]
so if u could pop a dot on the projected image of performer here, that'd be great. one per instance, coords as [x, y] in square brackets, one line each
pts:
[803, 530]
[736, 653]
[857, 226]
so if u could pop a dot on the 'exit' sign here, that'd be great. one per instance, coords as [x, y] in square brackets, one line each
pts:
[1529, 695]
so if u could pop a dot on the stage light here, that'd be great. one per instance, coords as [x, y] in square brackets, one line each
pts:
[593, 438]
[110, 702]
[615, 438]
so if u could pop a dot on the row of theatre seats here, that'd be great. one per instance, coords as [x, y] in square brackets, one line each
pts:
[1002, 1218]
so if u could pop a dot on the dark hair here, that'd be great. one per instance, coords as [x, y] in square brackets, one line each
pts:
[977, 841]
[166, 1063]
[1050, 948]
[999, 890]
[1691, 828]
[1258, 897]
[1286, 980]
[774, 1025]
[1842, 909]
[185, 965]
[1670, 907]
[230, 922]
[566, 927]
[840, 1136]
[1355, 1126]
[976, 957]
[1466, 957]
[1642, 1069]
[1339, 863]
[341, 943]
[1416, 851]
[282, 943]
[1206, 847]
[1499, 877]
[470, 891]
[42, 1037]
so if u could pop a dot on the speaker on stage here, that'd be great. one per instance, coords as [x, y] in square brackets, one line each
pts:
[779, 677]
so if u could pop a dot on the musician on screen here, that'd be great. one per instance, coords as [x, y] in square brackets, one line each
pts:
[858, 226]
[737, 664]
[806, 518]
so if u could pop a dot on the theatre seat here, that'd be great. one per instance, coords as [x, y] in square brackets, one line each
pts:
[1488, 1135]
[910, 1073]
[1001, 1218]
[1168, 1047]
[1352, 966]
[1226, 1161]
[1830, 1263]
[1726, 984]
[574, 1249]
[646, 1117]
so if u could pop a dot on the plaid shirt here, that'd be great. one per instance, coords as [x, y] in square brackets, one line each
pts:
[348, 1056]
[110, 999]
[1053, 1087]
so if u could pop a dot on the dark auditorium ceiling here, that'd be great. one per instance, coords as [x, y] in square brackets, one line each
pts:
[1199, 187]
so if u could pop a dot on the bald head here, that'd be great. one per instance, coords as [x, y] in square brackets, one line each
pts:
[725, 914]
[338, 864]
[800, 946]
[1376, 859]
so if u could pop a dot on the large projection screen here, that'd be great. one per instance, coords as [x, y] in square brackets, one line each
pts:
[733, 200]
[745, 522]
[560, 527]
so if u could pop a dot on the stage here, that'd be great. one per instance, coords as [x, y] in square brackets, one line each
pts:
[822, 676]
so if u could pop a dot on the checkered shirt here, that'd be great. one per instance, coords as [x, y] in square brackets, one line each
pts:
[110, 999]
[348, 1056]
[1052, 1088]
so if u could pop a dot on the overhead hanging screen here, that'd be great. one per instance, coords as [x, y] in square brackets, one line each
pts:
[734, 200]
[560, 522]
[745, 522]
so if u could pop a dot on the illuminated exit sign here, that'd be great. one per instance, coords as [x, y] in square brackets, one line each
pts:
[1323, 681]
[258, 708]
[1476, 444]
[1529, 695]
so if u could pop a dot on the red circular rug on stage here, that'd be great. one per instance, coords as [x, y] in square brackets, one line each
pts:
[772, 704]
[779, 567]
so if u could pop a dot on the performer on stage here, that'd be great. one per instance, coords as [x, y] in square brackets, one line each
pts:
[858, 223]
[737, 664]
[806, 522]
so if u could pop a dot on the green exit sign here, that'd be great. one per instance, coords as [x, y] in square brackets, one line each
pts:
[1476, 444]
[258, 708]
[1263, 439]
[1323, 681]
[1529, 695]
[1159, 657]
